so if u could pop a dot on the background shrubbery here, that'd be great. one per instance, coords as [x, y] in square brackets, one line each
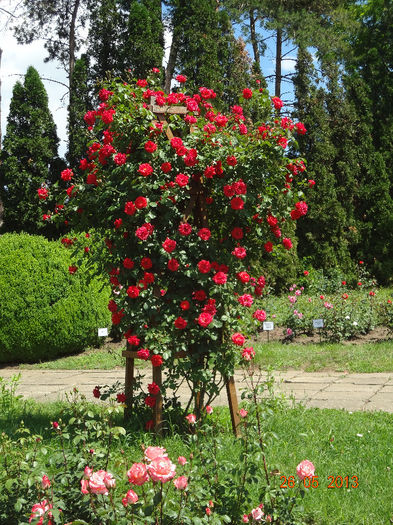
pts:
[45, 311]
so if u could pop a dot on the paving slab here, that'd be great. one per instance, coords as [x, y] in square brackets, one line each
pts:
[317, 389]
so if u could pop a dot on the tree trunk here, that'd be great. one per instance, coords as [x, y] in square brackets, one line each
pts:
[170, 68]
[254, 42]
[71, 44]
[277, 87]
[1, 52]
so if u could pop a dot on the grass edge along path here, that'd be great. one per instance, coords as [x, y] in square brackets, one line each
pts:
[356, 358]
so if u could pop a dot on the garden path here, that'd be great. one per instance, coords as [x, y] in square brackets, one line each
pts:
[351, 392]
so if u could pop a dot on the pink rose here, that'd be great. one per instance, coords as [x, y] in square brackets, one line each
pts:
[209, 409]
[191, 418]
[98, 482]
[238, 339]
[257, 514]
[161, 469]
[243, 413]
[84, 486]
[305, 469]
[45, 482]
[181, 460]
[137, 475]
[39, 510]
[154, 453]
[130, 497]
[181, 482]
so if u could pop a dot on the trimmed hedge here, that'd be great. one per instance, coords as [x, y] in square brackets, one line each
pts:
[44, 311]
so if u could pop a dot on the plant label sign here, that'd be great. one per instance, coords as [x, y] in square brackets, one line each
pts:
[317, 323]
[268, 325]
[102, 332]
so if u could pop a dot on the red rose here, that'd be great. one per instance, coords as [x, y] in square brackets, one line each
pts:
[166, 167]
[145, 169]
[150, 146]
[176, 142]
[156, 360]
[117, 223]
[180, 323]
[117, 317]
[143, 353]
[239, 252]
[220, 278]
[199, 295]
[120, 159]
[72, 269]
[260, 315]
[181, 78]
[169, 245]
[128, 263]
[240, 187]
[301, 207]
[245, 299]
[229, 191]
[277, 102]
[141, 82]
[205, 319]
[231, 160]
[146, 263]
[96, 392]
[268, 246]
[238, 339]
[237, 233]
[153, 389]
[300, 128]
[185, 305]
[112, 306]
[287, 243]
[243, 277]
[247, 93]
[185, 228]
[182, 180]
[140, 202]
[150, 401]
[43, 193]
[204, 266]
[237, 203]
[133, 340]
[148, 278]
[129, 208]
[67, 174]
[173, 265]
[121, 398]
[133, 292]
[204, 234]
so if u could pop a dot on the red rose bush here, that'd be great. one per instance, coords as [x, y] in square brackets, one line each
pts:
[177, 223]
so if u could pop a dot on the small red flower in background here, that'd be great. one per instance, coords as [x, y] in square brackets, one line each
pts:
[42, 193]
[150, 401]
[72, 269]
[306, 273]
[344, 296]
[268, 246]
[133, 292]
[181, 79]
[96, 392]
[204, 234]
[371, 293]
[191, 418]
[361, 262]
[277, 102]
[150, 146]
[143, 353]
[153, 389]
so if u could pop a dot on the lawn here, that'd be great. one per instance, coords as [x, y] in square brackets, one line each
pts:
[339, 444]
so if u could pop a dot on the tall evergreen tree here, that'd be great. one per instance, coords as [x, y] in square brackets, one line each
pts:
[29, 155]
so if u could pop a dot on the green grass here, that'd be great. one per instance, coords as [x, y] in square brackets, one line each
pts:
[95, 358]
[337, 442]
[369, 357]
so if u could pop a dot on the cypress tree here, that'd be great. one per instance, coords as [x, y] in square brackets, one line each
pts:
[29, 155]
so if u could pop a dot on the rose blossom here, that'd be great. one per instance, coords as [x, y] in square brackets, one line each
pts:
[238, 339]
[245, 299]
[185, 228]
[191, 418]
[260, 315]
[257, 514]
[169, 245]
[243, 413]
[181, 460]
[161, 469]
[305, 469]
[204, 266]
[130, 497]
[137, 475]
[205, 319]
[180, 323]
[155, 452]
[181, 482]
[209, 409]
[45, 482]
[220, 278]
[239, 252]
[248, 353]
[204, 234]
[39, 510]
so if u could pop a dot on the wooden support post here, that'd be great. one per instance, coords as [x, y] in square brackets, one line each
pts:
[157, 417]
[129, 386]
[233, 406]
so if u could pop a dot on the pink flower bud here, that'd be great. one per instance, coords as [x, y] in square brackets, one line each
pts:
[45, 482]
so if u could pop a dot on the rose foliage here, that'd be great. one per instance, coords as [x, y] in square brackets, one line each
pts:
[183, 218]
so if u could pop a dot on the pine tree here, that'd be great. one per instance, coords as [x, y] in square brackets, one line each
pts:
[29, 155]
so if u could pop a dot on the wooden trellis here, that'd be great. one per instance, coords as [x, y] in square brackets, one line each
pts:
[196, 204]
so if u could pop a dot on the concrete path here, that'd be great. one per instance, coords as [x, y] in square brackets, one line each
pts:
[319, 389]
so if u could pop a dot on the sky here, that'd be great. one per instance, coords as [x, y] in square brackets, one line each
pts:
[17, 58]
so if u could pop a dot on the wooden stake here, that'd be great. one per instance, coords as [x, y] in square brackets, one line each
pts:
[233, 406]
[157, 416]
[129, 385]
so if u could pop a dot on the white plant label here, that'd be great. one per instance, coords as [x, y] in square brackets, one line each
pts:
[268, 325]
[102, 332]
[317, 323]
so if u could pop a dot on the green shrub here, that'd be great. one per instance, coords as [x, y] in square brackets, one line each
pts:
[45, 311]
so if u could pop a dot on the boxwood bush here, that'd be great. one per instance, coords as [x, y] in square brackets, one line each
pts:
[44, 310]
